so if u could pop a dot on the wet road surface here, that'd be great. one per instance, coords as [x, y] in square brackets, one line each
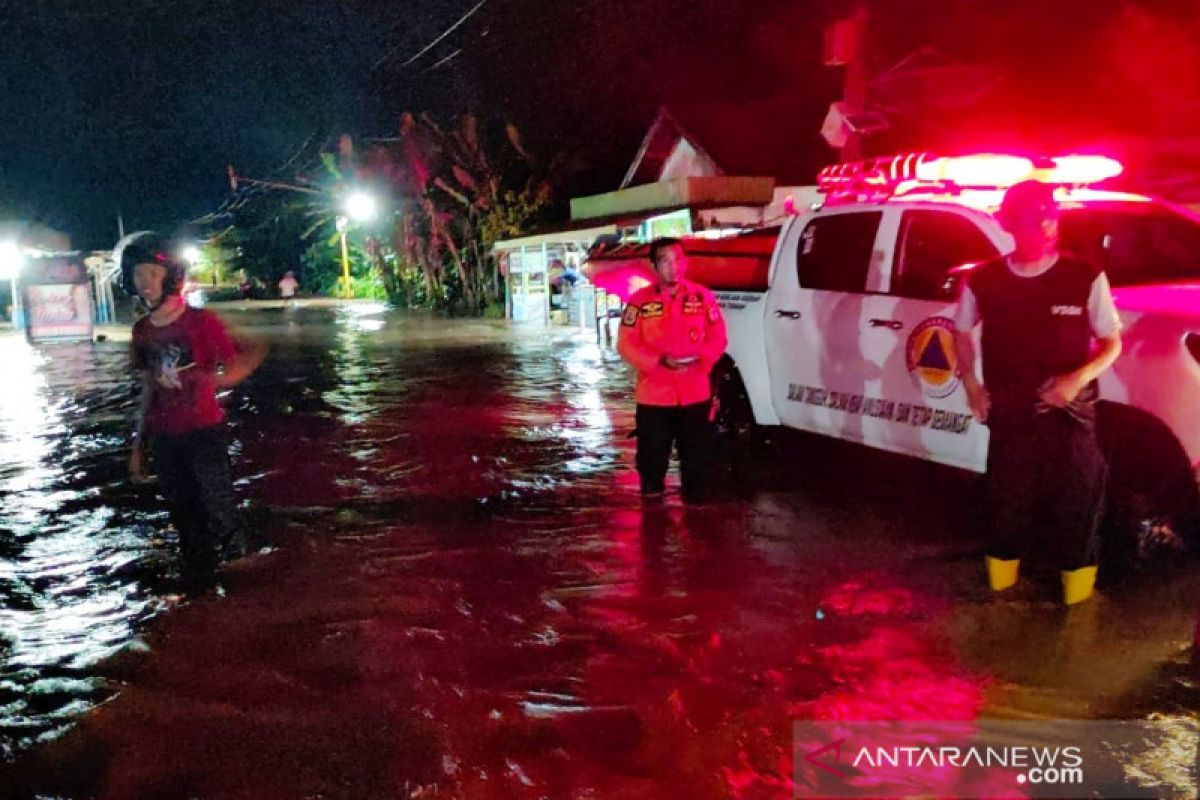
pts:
[468, 599]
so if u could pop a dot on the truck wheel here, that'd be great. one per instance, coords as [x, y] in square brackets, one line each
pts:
[739, 436]
[1151, 502]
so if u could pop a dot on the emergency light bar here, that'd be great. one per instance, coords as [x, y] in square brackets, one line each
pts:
[979, 171]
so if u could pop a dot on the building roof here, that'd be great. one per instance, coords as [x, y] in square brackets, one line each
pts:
[568, 232]
[670, 194]
[777, 137]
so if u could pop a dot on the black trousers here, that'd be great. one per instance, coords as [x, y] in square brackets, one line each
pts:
[687, 428]
[1045, 487]
[195, 478]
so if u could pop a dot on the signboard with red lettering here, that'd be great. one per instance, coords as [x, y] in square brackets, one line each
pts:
[59, 311]
[58, 298]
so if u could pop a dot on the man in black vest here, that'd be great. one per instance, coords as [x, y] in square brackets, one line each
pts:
[1049, 330]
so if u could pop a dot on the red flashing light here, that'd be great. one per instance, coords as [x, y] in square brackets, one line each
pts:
[978, 171]
[1079, 170]
[983, 170]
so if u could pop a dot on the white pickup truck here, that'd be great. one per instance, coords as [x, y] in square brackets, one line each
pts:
[845, 328]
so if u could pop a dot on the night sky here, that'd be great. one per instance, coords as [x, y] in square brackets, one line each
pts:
[137, 108]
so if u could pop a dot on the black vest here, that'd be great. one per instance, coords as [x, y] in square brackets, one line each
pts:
[1033, 328]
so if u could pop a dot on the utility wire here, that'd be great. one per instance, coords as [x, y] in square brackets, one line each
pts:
[447, 58]
[438, 40]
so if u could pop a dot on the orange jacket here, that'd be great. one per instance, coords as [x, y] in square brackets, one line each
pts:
[655, 325]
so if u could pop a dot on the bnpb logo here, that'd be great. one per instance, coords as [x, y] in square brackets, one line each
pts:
[930, 357]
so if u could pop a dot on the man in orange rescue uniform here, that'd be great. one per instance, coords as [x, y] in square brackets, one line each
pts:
[673, 333]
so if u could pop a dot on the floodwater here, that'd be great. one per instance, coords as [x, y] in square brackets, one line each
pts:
[462, 594]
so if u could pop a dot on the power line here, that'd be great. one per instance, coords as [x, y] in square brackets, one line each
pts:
[447, 58]
[250, 190]
[448, 31]
[299, 152]
[438, 40]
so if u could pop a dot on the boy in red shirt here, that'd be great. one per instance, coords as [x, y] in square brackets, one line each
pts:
[184, 356]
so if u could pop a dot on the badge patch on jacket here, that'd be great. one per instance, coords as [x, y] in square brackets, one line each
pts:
[652, 309]
[714, 315]
[630, 316]
[692, 304]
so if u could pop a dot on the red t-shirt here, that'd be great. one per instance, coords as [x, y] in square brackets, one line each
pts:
[181, 359]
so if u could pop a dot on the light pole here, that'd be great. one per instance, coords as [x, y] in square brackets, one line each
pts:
[10, 265]
[341, 227]
[360, 207]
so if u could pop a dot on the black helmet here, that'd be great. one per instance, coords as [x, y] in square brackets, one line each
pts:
[148, 247]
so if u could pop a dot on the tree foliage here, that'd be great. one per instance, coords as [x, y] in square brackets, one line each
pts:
[448, 192]
[455, 191]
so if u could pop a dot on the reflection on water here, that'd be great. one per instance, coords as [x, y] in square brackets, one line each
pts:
[71, 592]
[470, 590]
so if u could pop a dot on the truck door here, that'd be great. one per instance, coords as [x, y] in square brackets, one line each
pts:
[909, 331]
[813, 312]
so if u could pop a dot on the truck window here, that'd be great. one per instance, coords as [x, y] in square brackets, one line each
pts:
[931, 244]
[1135, 243]
[835, 251]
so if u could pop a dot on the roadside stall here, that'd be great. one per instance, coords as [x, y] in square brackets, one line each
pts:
[56, 295]
[542, 278]
[103, 275]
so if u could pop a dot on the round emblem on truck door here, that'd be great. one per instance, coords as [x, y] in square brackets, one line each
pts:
[931, 359]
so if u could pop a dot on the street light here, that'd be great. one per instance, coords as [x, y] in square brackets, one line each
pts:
[193, 257]
[11, 259]
[360, 207]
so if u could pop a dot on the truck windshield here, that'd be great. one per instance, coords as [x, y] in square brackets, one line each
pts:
[1135, 243]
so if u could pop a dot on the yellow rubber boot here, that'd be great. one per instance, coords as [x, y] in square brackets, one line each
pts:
[1002, 574]
[1078, 584]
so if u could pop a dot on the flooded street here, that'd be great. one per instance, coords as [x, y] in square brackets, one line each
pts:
[464, 596]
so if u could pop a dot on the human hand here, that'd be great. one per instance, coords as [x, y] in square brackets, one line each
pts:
[677, 362]
[1061, 390]
[668, 362]
[978, 400]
